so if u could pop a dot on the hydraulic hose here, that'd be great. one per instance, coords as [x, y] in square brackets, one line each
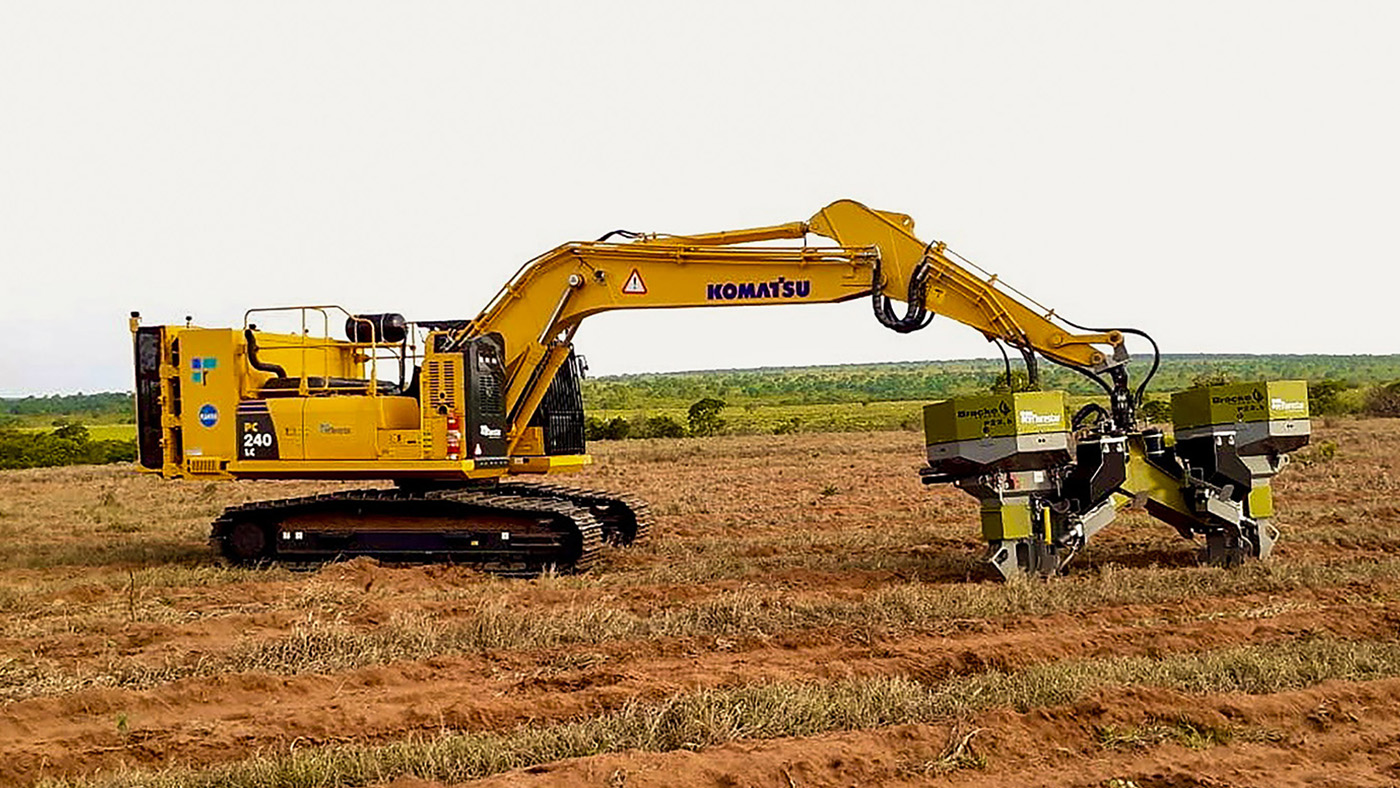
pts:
[1156, 353]
[623, 233]
[916, 315]
[1032, 368]
[1103, 384]
[1006, 360]
[1083, 413]
[255, 362]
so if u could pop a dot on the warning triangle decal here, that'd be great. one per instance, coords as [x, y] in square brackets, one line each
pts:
[635, 285]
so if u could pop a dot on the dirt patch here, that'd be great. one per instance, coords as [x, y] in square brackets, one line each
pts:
[1336, 734]
[803, 558]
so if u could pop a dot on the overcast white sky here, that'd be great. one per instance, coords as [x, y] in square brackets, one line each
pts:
[1221, 174]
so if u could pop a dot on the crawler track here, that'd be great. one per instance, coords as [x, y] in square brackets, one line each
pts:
[626, 519]
[490, 527]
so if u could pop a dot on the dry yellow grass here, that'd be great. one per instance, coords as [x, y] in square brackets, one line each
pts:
[794, 562]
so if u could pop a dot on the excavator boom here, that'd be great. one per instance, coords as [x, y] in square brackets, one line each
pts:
[543, 304]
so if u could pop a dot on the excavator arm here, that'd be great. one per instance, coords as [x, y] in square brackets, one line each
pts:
[877, 255]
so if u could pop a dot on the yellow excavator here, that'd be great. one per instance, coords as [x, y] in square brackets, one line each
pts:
[468, 417]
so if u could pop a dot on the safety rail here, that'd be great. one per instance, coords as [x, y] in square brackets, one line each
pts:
[403, 352]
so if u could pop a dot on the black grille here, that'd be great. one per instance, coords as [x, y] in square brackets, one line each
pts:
[561, 411]
[148, 425]
[486, 418]
[488, 388]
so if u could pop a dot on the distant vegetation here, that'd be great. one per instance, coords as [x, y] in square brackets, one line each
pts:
[888, 396]
[106, 408]
[853, 397]
[39, 432]
[69, 444]
[929, 380]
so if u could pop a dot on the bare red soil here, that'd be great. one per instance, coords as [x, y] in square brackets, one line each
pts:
[123, 643]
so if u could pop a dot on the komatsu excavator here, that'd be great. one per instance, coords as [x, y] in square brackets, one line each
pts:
[467, 416]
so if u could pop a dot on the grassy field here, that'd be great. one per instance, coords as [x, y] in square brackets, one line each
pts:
[781, 419]
[808, 614]
[115, 432]
[767, 419]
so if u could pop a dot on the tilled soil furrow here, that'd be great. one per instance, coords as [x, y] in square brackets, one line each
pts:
[139, 655]
[228, 717]
[1336, 734]
[778, 561]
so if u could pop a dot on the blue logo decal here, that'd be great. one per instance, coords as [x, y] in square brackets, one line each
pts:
[202, 365]
[208, 415]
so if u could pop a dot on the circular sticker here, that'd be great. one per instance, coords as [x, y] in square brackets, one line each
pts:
[208, 415]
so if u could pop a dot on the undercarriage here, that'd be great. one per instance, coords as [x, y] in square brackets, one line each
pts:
[513, 528]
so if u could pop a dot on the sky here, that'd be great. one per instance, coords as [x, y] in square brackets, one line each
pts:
[1221, 174]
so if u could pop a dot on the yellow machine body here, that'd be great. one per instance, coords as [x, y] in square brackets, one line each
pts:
[216, 421]
[450, 410]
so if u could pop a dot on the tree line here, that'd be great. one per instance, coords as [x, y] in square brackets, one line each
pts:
[702, 420]
[68, 444]
[942, 379]
[110, 407]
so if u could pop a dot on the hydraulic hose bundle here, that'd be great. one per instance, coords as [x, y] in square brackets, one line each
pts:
[916, 315]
